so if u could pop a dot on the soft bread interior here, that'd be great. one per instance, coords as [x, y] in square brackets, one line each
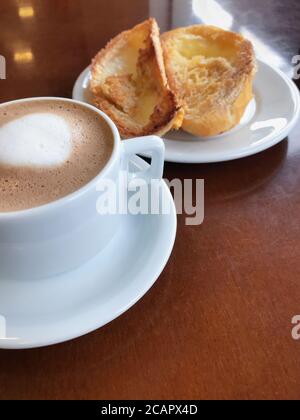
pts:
[211, 71]
[129, 83]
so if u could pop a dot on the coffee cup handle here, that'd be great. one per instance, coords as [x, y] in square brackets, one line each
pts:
[152, 144]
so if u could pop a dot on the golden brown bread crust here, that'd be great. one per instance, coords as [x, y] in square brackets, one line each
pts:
[129, 83]
[211, 71]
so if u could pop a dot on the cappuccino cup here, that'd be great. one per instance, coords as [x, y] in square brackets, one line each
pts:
[53, 154]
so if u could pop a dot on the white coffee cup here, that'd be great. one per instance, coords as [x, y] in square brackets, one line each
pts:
[64, 234]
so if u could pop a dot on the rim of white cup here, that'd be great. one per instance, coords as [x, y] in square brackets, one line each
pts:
[53, 205]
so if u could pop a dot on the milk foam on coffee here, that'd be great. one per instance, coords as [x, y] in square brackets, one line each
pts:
[49, 149]
[35, 140]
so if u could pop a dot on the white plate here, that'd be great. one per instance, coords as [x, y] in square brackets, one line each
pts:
[49, 311]
[268, 120]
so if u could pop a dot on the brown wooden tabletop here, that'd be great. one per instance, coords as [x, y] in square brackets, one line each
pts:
[217, 324]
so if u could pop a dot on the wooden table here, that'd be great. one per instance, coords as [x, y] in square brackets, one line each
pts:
[217, 324]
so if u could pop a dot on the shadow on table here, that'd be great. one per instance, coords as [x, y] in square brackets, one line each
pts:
[234, 179]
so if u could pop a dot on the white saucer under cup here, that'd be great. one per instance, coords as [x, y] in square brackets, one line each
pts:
[39, 313]
[268, 119]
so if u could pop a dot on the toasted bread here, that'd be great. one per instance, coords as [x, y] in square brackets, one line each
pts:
[211, 71]
[129, 83]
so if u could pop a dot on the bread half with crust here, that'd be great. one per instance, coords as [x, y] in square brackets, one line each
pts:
[129, 83]
[211, 71]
